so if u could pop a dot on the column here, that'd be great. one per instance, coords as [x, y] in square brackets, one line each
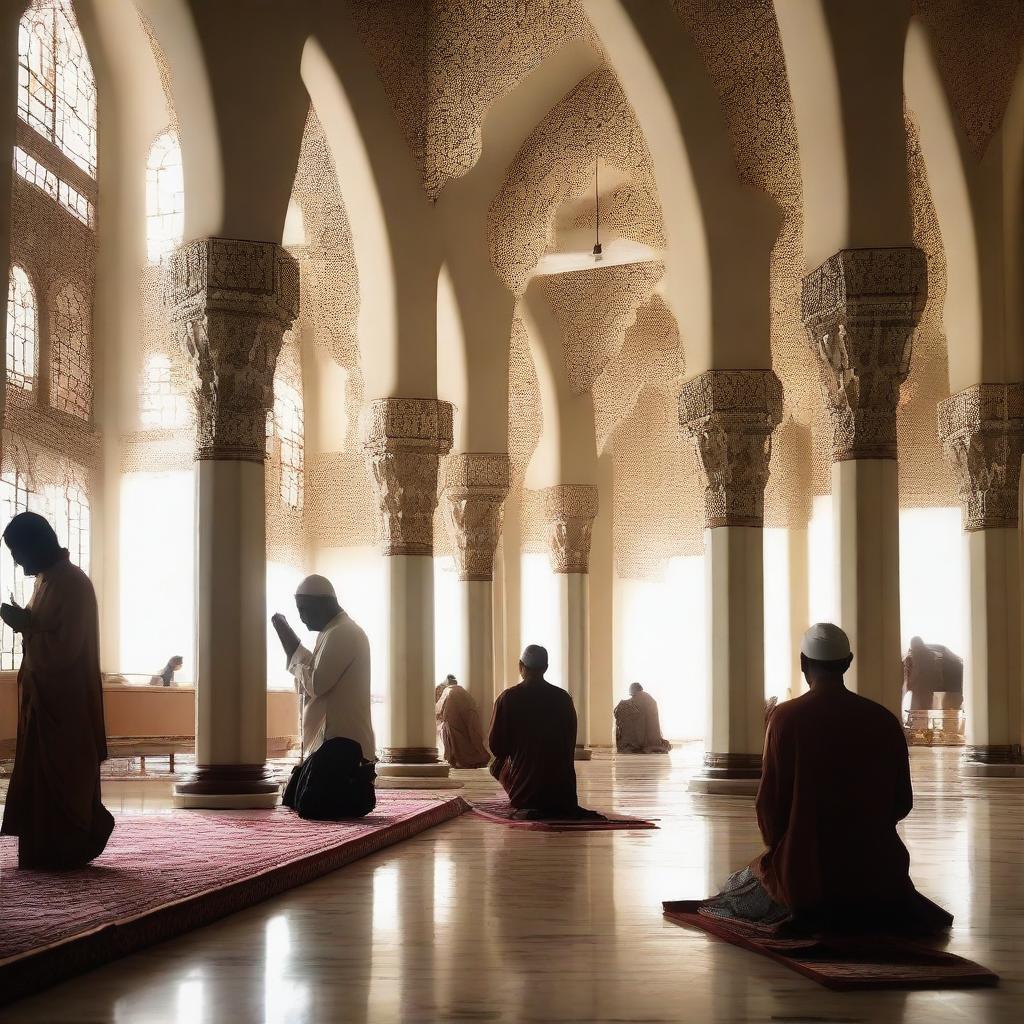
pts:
[405, 438]
[730, 415]
[231, 302]
[475, 492]
[860, 308]
[982, 432]
[570, 510]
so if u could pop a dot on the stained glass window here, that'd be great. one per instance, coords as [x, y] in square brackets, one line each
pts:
[56, 188]
[71, 352]
[56, 86]
[163, 406]
[165, 197]
[22, 330]
[289, 427]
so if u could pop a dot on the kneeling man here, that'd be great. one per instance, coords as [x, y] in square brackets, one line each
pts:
[835, 783]
[533, 737]
[334, 682]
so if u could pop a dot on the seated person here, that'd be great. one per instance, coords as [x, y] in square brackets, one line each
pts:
[333, 681]
[637, 725]
[459, 721]
[533, 738]
[835, 783]
[930, 669]
[165, 677]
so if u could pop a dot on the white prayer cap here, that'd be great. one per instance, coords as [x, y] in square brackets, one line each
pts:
[825, 642]
[315, 586]
[535, 656]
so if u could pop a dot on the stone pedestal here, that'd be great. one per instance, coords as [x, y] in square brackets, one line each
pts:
[405, 438]
[982, 431]
[860, 308]
[730, 415]
[476, 487]
[231, 302]
[570, 510]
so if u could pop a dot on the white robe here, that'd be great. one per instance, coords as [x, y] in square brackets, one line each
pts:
[335, 679]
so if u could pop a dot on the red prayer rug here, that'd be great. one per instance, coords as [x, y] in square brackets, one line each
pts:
[165, 874]
[501, 812]
[844, 962]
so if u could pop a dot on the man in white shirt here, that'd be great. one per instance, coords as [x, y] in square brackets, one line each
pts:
[334, 677]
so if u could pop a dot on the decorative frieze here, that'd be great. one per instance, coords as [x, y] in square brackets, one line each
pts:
[860, 309]
[730, 416]
[570, 510]
[982, 434]
[404, 439]
[476, 486]
[231, 302]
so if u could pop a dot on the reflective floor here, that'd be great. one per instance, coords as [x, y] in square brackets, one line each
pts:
[475, 922]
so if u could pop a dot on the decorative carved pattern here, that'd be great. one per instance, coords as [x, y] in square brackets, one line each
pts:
[570, 510]
[982, 432]
[860, 308]
[730, 415]
[232, 301]
[476, 487]
[404, 439]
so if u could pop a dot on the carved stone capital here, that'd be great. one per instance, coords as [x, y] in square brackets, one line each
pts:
[231, 302]
[730, 416]
[860, 308]
[570, 510]
[476, 486]
[982, 434]
[404, 439]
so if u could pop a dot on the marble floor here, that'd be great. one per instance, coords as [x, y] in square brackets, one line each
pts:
[474, 922]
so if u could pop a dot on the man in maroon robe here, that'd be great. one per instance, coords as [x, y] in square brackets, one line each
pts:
[53, 802]
[533, 738]
[835, 783]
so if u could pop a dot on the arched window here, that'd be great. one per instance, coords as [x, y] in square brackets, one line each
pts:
[163, 406]
[56, 86]
[15, 493]
[165, 197]
[22, 330]
[71, 352]
[289, 428]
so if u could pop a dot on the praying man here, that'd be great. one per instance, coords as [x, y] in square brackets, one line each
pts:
[638, 725]
[835, 783]
[53, 802]
[334, 677]
[458, 720]
[533, 739]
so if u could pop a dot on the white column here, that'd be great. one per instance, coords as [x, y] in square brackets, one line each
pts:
[232, 302]
[866, 528]
[730, 416]
[570, 511]
[405, 438]
[476, 487]
[982, 431]
[860, 308]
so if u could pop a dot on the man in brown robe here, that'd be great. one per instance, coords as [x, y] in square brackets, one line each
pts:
[835, 782]
[638, 725]
[459, 720]
[533, 738]
[53, 802]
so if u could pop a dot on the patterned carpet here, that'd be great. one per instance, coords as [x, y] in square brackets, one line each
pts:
[501, 813]
[845, 963]
[163, 874]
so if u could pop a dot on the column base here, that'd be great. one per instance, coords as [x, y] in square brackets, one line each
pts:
[711, 785]
[582, 754]
[415, 776]
[228, 787]
[973, 770]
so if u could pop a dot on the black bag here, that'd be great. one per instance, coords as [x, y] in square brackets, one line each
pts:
[333, 783]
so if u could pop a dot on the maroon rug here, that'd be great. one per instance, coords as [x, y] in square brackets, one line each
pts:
[164, 874]
[500, 811]
[845, 962]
